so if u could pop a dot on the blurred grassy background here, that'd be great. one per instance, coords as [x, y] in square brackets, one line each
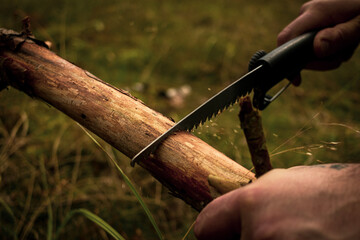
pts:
[49, 166]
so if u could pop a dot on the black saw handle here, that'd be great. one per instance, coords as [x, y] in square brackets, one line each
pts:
[286, 61]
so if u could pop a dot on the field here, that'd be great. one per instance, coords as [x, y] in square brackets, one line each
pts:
[49, 166]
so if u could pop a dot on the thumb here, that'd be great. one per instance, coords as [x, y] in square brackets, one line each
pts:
[338, 40]
[221, 219]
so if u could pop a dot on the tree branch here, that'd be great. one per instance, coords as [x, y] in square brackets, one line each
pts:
[250, 121]
[182, 163]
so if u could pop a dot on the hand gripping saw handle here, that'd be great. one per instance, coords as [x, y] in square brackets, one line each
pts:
[286, 61]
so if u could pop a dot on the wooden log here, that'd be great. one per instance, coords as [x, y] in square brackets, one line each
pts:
[182, 162]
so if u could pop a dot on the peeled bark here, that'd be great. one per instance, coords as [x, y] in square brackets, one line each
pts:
[182, 162]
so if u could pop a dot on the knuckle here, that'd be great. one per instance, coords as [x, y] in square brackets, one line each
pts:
[338, 35]
[317, 8]
[265, 232]
[251, 196]
[311, 5]
[318, 5]
[304, 7]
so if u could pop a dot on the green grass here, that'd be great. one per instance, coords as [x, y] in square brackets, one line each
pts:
[129, 184]
[49, 167]
[92, 217]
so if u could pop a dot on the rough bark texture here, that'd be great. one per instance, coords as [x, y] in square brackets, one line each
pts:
[182, 163]
[250, 121]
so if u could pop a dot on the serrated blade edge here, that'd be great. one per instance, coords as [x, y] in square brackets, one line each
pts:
[206, 111]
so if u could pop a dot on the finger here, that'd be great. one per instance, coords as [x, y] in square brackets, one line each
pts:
[220, 219]
[336, 39]
[295, 80]
[331, 62]
[312, 16]
[304, 23]
[317, 15]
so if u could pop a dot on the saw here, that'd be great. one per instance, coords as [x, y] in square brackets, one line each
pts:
[265, 71]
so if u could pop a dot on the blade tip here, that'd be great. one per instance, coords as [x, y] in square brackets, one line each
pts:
[137, 158]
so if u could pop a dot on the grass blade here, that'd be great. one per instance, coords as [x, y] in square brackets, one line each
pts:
[130, 185]
[49, 207]
[11, 214]
[92, 217]
[188, 231]
[8, 209]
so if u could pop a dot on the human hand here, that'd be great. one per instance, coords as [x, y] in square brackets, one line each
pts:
[312, 202]
[339, 35]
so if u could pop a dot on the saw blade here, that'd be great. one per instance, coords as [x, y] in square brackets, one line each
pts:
[207, 110]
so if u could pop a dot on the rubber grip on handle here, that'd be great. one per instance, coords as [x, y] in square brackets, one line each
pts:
[287, 60]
